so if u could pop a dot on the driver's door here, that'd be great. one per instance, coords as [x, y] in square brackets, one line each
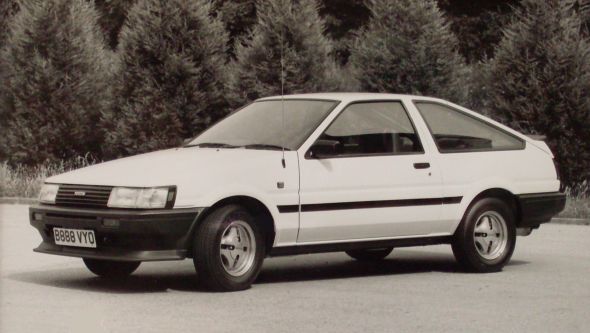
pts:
[376, 182]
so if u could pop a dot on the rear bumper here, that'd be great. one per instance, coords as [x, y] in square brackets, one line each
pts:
[539, 208]
[127, 235]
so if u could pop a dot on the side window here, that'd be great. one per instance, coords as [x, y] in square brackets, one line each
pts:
[456, 131]
[372, 128]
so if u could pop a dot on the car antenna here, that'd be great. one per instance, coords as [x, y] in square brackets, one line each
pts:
[283, 97]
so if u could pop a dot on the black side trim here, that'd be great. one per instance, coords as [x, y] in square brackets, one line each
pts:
[537, 208]
[369, 204]
[338, 247]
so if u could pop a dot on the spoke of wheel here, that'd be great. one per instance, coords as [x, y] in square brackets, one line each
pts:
[481, 242]
[239, 235]
[235, 263]
[226, 254]
[489, 247]
[227, 240]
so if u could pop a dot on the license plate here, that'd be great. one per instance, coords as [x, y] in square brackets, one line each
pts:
[74, 237]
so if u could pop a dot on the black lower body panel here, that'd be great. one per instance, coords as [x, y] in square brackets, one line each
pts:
[539, 208]
[376, 244]
[126, 235]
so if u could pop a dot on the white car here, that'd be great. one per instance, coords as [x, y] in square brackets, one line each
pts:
[361, 173]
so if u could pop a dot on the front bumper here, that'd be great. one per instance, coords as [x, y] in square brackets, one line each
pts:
[126, 235]
[539, 208]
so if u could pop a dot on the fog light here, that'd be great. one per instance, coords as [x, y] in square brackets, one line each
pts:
[110, 223]
[37, 216]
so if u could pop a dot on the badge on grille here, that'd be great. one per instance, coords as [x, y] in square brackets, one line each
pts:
[79, 193]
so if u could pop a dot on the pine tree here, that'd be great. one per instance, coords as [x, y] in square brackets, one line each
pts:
[295, 30]
[408, 47]
[540, 80]
[57, 81]
[343, 20]
[112, 15]
[8, 8]
[172, 78]
[238, 17]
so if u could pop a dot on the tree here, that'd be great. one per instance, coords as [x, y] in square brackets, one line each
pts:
[172, 79]
[343, 20]
[238, 17]
[582, 7]
[7, 10]
[408, 47]
[294, 30]
[477, 24]
[112, 16]
[540, 80]
[57, 74]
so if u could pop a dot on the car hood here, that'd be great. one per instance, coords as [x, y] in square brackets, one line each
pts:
[178, 166]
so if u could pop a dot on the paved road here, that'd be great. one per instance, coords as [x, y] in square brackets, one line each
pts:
[546, 288]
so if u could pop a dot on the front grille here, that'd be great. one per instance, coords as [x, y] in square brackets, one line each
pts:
[83, 195]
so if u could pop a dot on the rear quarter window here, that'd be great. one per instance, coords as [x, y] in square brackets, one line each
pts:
[456, 131]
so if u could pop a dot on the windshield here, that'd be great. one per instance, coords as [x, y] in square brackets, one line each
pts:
[260, 125]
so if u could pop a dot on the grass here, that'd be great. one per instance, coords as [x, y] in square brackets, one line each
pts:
[577, 207]
[25, 182]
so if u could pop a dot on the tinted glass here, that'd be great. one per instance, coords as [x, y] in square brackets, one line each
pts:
[261, 123]
[373, 128]
[455, 131]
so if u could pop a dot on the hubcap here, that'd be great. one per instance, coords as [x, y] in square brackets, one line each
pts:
[490, 235]
[237, 248]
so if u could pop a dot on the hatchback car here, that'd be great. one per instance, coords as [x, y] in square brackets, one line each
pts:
[360, 173]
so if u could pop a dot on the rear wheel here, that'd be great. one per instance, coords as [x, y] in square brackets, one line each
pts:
[485, 239]
[370, 254]
[110, 268]
[228, 249]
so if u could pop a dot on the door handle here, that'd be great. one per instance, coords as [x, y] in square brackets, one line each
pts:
[424, 165]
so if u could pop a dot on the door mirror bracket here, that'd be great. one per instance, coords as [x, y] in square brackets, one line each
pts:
[322, 149]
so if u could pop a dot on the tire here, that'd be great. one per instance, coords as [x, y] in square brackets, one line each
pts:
[111, 269]
[370, 254]
[228, 249]
[485, 239]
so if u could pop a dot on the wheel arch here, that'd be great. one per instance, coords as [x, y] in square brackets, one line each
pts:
[261, 214]
[500, 193]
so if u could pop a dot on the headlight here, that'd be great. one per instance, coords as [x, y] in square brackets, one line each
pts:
[154, 197]
[48, 193]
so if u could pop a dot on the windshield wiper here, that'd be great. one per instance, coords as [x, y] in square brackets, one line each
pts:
[264, 146]
[211, 145]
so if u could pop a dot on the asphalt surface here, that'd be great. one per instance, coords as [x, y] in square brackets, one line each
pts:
[545, 288]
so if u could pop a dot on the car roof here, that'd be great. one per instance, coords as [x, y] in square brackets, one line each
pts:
[349, 96]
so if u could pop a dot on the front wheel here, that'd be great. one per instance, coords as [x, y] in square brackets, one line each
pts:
[111, 269]
[485, 239]
[228, 249]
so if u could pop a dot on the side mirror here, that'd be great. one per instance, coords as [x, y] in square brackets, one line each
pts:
[322, 149]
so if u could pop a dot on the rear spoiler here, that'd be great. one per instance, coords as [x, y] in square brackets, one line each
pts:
[539, 141]
[537, 137]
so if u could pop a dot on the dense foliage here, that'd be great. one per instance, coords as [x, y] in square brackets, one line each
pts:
[478, 24]
[56, 78]
[539, 80]
[112, 16]
[290, 32]
[408, 48]
[238, 17]
[172, 79]
[118, 77]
